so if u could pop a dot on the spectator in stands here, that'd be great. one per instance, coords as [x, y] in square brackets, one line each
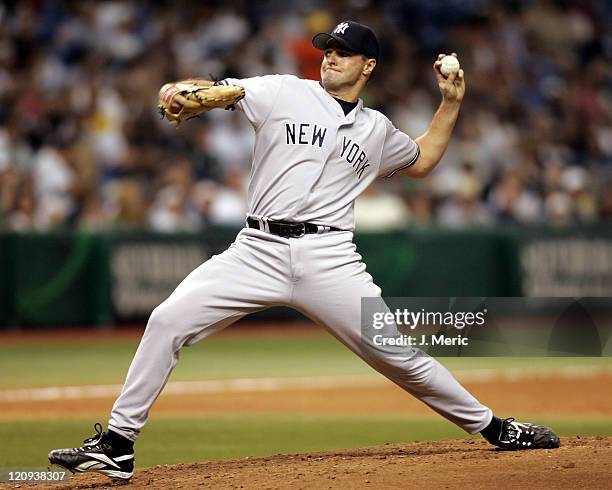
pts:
[82, 146]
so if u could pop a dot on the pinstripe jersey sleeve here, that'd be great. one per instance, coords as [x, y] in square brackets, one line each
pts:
[400, 151]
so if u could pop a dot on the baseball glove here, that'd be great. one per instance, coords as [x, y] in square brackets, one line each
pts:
[195, 99]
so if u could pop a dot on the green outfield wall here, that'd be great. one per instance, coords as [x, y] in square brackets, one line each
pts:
[73, 278]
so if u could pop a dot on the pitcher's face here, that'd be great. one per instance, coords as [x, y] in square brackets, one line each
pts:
[341, 68]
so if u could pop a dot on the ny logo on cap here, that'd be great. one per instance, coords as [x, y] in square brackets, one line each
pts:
[340, 28]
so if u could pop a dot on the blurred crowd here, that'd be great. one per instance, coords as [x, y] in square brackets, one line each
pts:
[83, 146]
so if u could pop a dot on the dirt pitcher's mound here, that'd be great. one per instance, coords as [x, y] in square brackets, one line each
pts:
[471, 463]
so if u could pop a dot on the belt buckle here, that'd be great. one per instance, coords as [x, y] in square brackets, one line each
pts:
[291, 230]
[302, 232]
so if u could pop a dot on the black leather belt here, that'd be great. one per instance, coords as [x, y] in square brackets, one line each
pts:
[288, 229]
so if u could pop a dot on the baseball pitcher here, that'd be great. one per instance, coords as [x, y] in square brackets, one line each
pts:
[317, 148]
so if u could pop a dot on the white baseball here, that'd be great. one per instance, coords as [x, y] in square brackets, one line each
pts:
[449, 65]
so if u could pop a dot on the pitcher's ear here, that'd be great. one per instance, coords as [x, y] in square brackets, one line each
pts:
[369, 67]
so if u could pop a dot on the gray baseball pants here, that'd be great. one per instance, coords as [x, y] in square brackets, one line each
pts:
[320, 275]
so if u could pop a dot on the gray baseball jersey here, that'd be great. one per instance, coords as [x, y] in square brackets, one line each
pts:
[310, 163]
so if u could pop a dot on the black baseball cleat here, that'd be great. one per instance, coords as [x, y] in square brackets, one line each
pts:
[516, 436]
[97, 454]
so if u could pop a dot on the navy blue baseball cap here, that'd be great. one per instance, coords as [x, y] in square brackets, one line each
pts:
[352, 36]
